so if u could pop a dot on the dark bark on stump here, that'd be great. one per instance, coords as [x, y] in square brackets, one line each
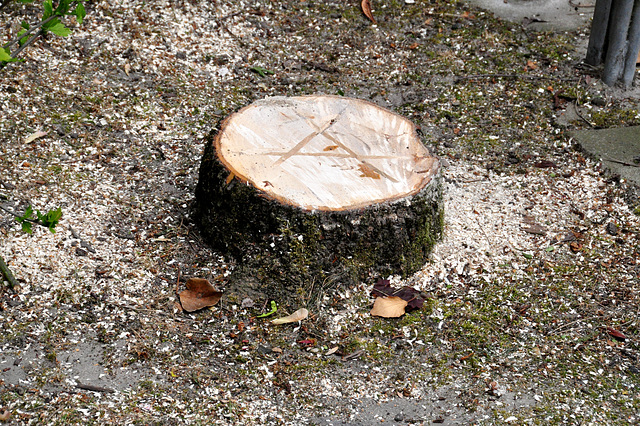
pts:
[294, 254]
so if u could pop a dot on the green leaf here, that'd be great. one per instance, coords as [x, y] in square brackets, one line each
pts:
[25, 1]
[527, 255]
[48, 9]
[26, 227]
[25, 25]
[80, 13]
[27, 214]
[63, 7]
[274, 309]
[51, 219]
[5, 56]
[58, 28]
[24, 39]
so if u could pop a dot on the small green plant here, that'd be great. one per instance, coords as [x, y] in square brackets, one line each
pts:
[261, 71]
[50, 23]
[48, 220]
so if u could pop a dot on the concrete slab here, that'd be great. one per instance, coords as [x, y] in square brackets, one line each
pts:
[618, 148]
[542, 15]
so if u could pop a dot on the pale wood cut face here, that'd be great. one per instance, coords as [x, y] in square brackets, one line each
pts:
[325, 152]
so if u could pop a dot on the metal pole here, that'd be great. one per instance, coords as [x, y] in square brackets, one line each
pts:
[615, 58]
[595, 51]
[633, 47]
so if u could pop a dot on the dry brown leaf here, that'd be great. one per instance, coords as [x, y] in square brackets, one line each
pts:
[531, 65]
[298, 315]
[330, 148]
[368, 171]
[616, 334]
[638, 60]
[6, 415]
[198, 295]
[332, 351]
[366, 9]
[35, 136]
[388, 307]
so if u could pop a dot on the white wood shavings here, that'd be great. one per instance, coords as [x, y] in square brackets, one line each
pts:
[126, 99]
[484, 212]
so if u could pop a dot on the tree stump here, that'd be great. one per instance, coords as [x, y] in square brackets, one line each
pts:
[307, 192]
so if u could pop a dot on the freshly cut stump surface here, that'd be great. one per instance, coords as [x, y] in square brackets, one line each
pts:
[325, 153]
[307, 191]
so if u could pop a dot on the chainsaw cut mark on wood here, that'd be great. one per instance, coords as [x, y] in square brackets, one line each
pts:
[362, 158]
[306, 140]
[325, 152]
[367, 169]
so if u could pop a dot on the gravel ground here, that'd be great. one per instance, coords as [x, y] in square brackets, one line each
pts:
[533, 295]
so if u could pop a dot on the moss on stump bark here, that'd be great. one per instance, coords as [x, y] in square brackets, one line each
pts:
[294, 254]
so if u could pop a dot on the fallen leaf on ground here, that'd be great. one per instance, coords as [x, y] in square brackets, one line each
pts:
[198, 295]
[389, 307]
[332, 351]
[545, 164]
[414, 298]
[366, 9]
[298, 315]
[35, 136]
[6, 415]
[616, 334]
[535, 229]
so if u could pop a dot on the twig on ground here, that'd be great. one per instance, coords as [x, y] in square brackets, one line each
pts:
[26, 33]
[36, 221]
[93, 388]
[6, 272]
[624, 163]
